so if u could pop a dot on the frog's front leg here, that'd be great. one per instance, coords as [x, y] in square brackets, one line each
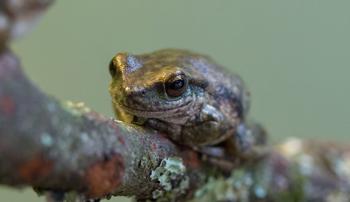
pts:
[208, 127]
[243, 141]
[248, 142]
[205, 128]
[246, 145]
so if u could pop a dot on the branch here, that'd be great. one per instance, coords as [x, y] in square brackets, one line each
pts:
[294, 171]
[51, 145]
[64, 146]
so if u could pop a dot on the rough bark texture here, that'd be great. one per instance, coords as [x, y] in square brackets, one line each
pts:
[62, 146]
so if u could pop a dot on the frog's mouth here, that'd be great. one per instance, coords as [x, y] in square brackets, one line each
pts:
[159, 113]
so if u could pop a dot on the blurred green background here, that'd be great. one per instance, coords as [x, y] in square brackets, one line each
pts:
[294, 55]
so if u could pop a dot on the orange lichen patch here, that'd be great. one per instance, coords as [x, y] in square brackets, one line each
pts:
[35, 169]
[7, 106]
[104, 177]
[191, 159]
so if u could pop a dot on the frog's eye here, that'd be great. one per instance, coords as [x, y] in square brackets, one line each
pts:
[176, 85]
[112, 69]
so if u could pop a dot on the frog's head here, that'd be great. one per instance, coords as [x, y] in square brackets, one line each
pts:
[162, 85]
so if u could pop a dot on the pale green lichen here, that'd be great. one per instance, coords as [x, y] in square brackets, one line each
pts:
[341, 165]
[71, 197]
[46, 139]
[338, 197]
[171, 176]
[156, 194]
[174, 165]
[260, 192]
[148, 161]
[306, 163]
[241, 186]
[76, 108]
[235, 188]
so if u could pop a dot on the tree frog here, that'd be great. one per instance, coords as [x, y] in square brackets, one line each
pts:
[185, 95]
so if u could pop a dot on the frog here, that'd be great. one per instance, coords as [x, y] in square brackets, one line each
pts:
[188, 97]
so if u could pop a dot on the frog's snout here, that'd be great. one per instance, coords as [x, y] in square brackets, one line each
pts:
[134, 92]
[133, 96]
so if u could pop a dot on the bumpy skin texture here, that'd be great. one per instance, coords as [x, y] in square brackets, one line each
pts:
[183, 94]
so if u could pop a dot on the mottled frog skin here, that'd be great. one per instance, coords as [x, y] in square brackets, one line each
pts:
[185, 95]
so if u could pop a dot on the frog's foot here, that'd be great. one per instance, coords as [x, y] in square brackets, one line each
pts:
[226, 165]
[248, 143]
[218, 157]
[226, 161]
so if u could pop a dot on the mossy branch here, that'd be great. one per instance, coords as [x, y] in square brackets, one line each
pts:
[62, 146]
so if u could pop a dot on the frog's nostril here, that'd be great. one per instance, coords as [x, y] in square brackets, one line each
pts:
[127, 91]
[134, 92]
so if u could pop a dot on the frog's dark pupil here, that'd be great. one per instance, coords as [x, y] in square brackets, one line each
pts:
[175, 87]
[112, 69]
[178, 84]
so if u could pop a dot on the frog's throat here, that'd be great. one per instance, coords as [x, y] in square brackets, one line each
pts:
[160, 113]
